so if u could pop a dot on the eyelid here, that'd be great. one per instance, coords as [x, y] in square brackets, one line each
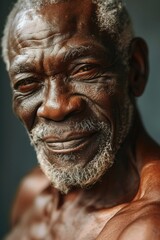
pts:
[30, 80]
[20, 76]
[80, 66]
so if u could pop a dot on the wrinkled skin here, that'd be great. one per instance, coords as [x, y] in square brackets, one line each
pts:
[54, 83]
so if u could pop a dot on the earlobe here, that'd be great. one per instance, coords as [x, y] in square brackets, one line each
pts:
[139, 68]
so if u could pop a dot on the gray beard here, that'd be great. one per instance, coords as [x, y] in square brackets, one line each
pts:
[74, 174]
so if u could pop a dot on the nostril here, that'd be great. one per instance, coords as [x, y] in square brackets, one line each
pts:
[77, 103]
[41, 111]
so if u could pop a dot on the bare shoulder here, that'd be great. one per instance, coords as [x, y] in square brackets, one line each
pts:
[137, 220]
[150, 182]
[146, 227]
[32, 185]
[143, 214]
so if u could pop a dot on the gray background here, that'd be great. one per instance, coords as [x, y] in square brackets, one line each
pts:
[17, 157]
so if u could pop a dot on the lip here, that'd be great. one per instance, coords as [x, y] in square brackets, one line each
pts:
[70, 144]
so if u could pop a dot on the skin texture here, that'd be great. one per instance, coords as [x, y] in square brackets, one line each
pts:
[52, 86]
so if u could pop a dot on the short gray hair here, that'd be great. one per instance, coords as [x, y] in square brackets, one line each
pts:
[111, 15]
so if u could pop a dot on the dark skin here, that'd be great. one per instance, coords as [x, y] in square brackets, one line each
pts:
[51, 84]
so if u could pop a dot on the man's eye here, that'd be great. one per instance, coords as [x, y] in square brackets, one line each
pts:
[84, 69]
[27, 85]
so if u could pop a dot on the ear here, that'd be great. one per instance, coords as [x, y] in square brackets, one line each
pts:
[138, 63]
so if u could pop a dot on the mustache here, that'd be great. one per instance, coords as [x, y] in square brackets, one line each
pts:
[43, 129]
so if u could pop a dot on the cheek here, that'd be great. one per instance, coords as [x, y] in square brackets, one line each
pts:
[100, 98]
[26, 110]
[107, 103]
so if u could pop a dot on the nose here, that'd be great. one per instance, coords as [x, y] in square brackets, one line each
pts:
[58, 104]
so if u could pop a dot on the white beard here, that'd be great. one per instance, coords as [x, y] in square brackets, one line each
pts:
[74, 174]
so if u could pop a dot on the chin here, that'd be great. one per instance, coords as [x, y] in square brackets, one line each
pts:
[72, 172]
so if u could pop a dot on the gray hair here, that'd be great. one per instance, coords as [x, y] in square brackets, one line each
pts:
[111, 16]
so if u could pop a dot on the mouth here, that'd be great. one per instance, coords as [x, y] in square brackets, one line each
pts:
[70, 144]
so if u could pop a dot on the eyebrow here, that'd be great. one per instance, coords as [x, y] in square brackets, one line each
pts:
[82, 51]
[75, 52]
[21, 68]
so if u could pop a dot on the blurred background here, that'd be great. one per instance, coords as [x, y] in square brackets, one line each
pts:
[17, 157]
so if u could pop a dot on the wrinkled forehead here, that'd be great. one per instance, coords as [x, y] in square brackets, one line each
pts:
[69, 17]
[62, 17]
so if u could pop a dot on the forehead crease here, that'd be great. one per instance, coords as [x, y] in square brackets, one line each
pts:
[62, 17]
[41, 24]
[44, 39]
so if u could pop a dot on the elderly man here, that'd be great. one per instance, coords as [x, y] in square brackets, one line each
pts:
[75, 69]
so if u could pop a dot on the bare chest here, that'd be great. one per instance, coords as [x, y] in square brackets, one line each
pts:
[76, 223]
[69, 222]
[46, 220]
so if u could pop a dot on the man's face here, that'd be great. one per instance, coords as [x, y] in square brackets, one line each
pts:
[70, 91]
